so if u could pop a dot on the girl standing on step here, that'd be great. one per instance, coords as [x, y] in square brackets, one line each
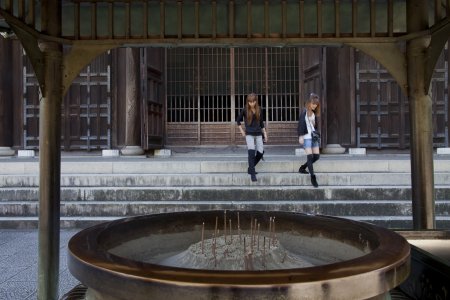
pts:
[254, 131]
[306, 125]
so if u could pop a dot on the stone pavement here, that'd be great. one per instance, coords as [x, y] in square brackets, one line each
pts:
[19, 264]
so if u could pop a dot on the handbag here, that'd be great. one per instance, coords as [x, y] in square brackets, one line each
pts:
[315, 136]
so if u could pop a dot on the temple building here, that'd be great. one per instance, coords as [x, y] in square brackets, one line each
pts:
[191, 97]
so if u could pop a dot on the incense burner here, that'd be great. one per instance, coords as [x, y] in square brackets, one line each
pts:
[238, 255]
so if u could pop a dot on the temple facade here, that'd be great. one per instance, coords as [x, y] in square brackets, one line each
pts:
[161, 97]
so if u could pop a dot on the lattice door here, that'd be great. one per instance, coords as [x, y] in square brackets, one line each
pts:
[86, 109]
[440, 95]
[383, 110]
[206, 89]
[152, 99]
[198, 96]
[31, 98]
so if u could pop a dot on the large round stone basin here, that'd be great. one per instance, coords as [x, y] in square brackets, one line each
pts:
[265, 255]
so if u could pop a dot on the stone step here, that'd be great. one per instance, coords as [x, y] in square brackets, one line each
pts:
[199, 165]
[393, 222]
[223, 193]
[94, 190]
[223, 179]
[131, 208]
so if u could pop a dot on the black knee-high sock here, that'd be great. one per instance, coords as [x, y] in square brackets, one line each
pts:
[258, 157]
[316, 157]
[309, 163]
[251, 164]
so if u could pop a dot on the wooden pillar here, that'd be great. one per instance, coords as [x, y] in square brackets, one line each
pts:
[422, 171]
[6, 99]
[133, 103]
[337, 91]
[50, 153]
[50, 172]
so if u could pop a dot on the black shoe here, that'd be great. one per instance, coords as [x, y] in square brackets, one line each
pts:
[248, 171]
[253, 177]
[302, 170]
[314, 181]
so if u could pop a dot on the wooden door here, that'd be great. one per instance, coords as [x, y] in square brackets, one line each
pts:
[152, 98]
[382, 110]
[273, 74]
[86, 109]
[199, 100]
[313, 72]
[86, 115]
[31, 97]
[206, 89]
[440, 96]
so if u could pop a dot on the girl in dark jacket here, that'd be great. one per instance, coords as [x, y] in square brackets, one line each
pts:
[306, 125]
[254, 131]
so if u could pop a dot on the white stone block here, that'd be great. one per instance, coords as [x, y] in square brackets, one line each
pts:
[132, 151]
[300, 152]
[6, 151]
[357, 151]
[443, 151]
[163, 152]
[333, 149]
[25, 153]
[110, 153]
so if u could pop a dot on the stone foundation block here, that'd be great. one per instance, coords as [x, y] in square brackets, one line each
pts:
[357, 151]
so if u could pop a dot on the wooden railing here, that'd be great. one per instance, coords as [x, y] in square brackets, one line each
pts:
[183, 21]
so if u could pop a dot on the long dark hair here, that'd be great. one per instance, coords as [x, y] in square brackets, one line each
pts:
[252, 97]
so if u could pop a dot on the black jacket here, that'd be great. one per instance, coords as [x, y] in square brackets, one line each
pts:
[255, 128]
